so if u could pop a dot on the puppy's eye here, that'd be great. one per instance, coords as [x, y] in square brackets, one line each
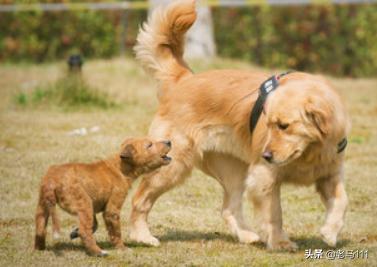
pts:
[283, 126]
[149, 145]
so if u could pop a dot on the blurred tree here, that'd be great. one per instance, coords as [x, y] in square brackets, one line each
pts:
[333, 39]
[200, 38]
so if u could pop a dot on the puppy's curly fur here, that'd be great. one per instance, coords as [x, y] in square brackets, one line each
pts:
[86, 189]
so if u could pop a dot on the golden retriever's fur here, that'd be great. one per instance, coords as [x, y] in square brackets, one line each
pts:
[206, 116]
[87, 189]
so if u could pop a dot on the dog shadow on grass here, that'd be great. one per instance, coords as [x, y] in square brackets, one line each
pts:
[314, 242]
[60, 247]
[303, 243]
[188, 236]
[170, 236]
[180, 235]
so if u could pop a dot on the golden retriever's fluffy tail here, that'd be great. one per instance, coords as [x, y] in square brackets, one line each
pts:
[160, 43]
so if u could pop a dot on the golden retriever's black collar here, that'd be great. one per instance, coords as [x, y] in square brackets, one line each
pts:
[266, 87]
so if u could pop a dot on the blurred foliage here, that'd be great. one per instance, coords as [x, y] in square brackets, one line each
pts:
[339, 40]
[39, 36]
[68, 92]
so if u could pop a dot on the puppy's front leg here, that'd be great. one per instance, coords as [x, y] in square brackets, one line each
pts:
[335, 199]
[111, 216]
[264, 192]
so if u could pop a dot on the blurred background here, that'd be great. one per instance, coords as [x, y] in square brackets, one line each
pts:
[335, 39]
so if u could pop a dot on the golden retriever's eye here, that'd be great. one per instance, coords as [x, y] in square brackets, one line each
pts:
[283, 126]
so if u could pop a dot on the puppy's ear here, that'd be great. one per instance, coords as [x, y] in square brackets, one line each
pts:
[128, 153]
[319, 117]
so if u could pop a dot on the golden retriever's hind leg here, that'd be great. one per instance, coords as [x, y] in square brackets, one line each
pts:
[335, 199]
[151, 187]
[165, 178]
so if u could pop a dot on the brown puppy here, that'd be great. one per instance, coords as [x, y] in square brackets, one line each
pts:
[206, 115]
[87, 189]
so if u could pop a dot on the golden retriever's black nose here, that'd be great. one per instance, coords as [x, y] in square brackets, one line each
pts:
[267, 155]
[167, 142]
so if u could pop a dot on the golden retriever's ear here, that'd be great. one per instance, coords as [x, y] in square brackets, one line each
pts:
[128, 152]
[319, 118]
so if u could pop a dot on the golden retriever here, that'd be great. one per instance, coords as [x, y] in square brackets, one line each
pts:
[206, 116]
[87, 189]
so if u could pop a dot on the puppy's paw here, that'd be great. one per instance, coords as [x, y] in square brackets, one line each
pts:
[328, 236]
[248, 237]
[103, 253]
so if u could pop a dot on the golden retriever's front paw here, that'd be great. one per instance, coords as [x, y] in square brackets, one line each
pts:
[248, 237]
[328, 236]
[151, 241]
[285, 244]
[146, 240]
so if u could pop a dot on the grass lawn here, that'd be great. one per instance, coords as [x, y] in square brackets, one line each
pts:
[187, 220]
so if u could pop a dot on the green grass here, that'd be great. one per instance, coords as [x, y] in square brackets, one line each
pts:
[187, 220]
[69, 92]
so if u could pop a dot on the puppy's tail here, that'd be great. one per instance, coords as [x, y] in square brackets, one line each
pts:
[160, 42]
